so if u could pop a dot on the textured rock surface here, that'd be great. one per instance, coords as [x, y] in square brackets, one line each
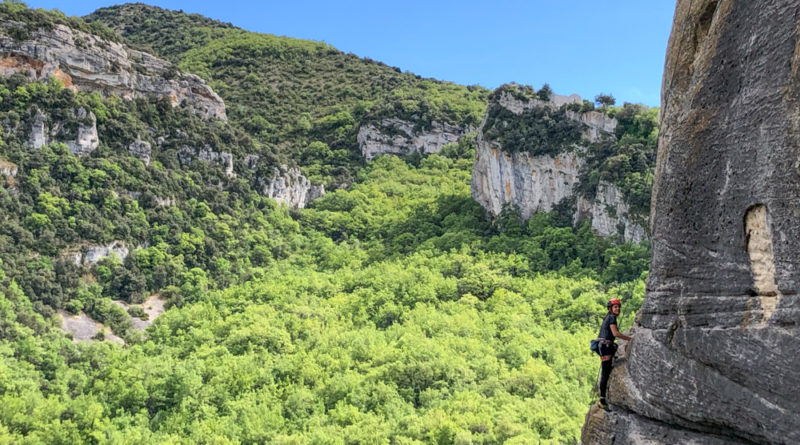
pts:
[92, 254]
[532, 183]
[290, 186]
[399, 137]
[537, 183]
[87, 62]
[609, 214]
[153, 306]
[207, 154]
[141, 149]
[597, 124]
[716, 350]
[84, 328]
[87, 140]
[82, 141]
[40, 132]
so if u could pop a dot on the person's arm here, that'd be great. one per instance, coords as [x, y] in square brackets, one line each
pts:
[618, 334]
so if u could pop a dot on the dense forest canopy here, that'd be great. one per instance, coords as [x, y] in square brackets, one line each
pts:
[392, 310]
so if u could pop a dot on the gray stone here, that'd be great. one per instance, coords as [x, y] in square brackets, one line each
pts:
[83, 328]
[39, 132]
[397, 136]
[291, 187]
[207, 154]
[609, 214]
[251, 161]
[87, 140]
[532, 183]
[91, 255]
[141, 149]
[153, 306]
[44, 131]
[715, 353]
[84, 61]
[537, 183]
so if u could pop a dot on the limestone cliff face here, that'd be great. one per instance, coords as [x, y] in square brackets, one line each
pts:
[610, 214]
[91, 255]
[714, 358]
[86, 62]
[537, 183]
[291, 187]
[207, 154]
[532, 183]
[397, 136]
[81, 140]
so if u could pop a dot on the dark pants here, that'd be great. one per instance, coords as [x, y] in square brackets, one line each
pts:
[605, 372]
[606, 349]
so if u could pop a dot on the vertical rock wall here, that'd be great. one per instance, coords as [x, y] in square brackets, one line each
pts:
[716, 353]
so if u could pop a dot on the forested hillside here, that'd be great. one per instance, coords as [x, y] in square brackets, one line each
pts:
[392, 310]
[291, 94]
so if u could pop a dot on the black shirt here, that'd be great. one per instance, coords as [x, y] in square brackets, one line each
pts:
[605, 328]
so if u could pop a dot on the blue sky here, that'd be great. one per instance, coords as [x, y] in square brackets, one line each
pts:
[580, 46]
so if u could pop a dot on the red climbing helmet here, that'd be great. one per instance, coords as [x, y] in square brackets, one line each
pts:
[612, 302]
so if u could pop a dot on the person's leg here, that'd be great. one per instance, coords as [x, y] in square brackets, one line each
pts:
[605, 372]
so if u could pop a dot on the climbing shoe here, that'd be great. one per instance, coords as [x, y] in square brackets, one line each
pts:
[603, 405]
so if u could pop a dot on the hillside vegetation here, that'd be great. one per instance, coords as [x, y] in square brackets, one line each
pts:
[293, 95]
[392, 311]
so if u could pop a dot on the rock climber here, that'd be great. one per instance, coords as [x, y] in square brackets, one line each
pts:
[608, 333]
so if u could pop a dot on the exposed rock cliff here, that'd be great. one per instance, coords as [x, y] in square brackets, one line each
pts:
[397, 136]
[610, 214]
[532, 183]
[86, 141]
[714, 358]
[81, 140]
[536, 183]
[207, 154]
[87, 62]
[90, 255]
[141, 149]
[290, 186]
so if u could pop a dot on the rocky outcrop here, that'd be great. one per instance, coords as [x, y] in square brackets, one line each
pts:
[531, 183]
[597, 124]
[141, 149]
[537, 183]
[714, 354]
[86, 140]
[290, 186]
[207, 154]
[91, 255]
[397, 136]
[83, 328]
[517, 105]
[86, 62]
[81, 140]
[609, 213]
[40, 132]
[153, 306]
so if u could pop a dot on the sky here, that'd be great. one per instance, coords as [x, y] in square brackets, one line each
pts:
[583, 47]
